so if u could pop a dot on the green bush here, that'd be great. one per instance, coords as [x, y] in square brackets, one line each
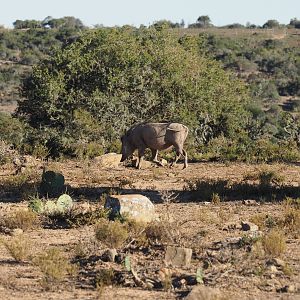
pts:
[93, 89]
[12, 131]
[112, 233]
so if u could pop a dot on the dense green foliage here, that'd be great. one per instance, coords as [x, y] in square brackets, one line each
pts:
[22, 48]
[109, 79]
[87, 86]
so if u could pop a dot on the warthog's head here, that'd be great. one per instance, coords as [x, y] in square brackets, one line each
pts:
[127, 148]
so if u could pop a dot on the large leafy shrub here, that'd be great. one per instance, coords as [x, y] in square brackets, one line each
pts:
[108, 79]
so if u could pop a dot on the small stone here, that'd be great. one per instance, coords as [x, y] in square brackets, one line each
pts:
[172, 175]
[164, 162]
[248, 226]
[149, 285]
[178, 257]
[276, 262]
[145, 164]
[288, 289]
[109, 255]
[272, 269]
[250, 202]
[202, 292]
[182, 283]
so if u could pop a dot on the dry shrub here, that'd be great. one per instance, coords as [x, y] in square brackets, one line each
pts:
[291, 221]
[24, 219]
[23, 184]
[206, 216]
[80, 250]
[54, 265]
[77, 218]
[215, 199]
[264, 221]
[265, 177]
[104, 277]
[136, 231]
[291, 216]
[157, 232]
[259, 220]
[274, 243]
[257, 249]
[18, 247]
[112, 233]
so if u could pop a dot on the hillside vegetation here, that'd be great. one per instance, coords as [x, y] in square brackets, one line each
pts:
[236, 88]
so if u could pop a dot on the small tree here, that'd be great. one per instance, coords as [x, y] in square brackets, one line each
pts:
[271, 24]
[204, 22]
[295, 23]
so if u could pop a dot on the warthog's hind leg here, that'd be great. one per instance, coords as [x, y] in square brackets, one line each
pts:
[185, 158]
[180, 152]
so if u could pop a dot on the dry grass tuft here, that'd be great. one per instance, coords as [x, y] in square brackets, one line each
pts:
[54, 265]
[18, 247]
[112, 233]
[274, 243]
[24, 219]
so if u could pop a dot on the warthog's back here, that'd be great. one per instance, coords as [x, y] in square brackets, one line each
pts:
[163, 135]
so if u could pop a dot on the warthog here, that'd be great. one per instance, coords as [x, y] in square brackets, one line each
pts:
[156, 136]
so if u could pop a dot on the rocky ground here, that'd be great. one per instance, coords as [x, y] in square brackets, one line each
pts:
[233, 230]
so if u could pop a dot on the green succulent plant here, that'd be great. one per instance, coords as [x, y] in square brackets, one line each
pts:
[52, 183]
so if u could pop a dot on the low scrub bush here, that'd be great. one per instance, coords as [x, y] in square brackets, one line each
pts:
[104, 277]
[54, 265]
[274, 243]
[21, 185]
[18, 247]
[6, 153]
[263, 185]
[111, 233]
[24, 219]
[157, 232]
[207, 188]
[78, 218]
[291, 216]
[265, 178]
[264, 221]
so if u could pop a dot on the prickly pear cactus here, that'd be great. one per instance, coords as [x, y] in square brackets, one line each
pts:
[64, 203]
[52, 183]
[36, 205]
[50, 207]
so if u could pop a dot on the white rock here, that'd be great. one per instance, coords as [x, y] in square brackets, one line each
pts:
[136, 206]
[108, 160]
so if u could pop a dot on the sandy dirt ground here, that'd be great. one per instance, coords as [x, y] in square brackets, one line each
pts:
[211, 230]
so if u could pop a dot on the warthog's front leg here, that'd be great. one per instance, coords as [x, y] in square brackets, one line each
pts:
[141, 153]
[154, 157]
